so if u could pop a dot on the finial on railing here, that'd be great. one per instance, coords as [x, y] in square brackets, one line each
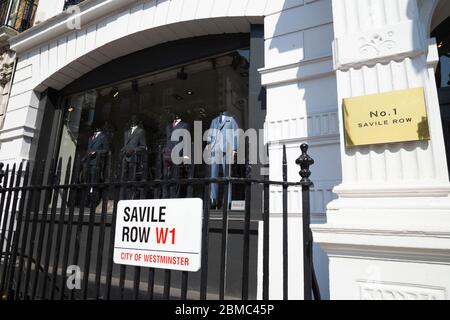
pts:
[248, 167]
[248, 170]
[284, 164]
[305, 161]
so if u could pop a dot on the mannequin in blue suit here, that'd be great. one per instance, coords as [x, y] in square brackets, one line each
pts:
[223, 141]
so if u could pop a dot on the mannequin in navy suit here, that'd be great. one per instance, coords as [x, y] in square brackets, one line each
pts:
[223, 142]
[170, 169]
[97, 151]
[134, 149]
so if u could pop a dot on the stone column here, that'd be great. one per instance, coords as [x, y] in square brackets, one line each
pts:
[388, 233]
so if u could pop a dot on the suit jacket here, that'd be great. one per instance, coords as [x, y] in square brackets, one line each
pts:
[135, 141]
[99, 145]
[170, 130]
[227, 130]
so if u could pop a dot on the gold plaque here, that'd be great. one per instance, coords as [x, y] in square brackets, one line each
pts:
[397, 116]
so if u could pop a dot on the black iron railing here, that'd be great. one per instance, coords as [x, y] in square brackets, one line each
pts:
[17, 14]
[50, 220]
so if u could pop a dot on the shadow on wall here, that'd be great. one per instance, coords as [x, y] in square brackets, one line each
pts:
[314, 103]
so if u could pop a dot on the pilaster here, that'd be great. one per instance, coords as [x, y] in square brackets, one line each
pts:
[393, 203]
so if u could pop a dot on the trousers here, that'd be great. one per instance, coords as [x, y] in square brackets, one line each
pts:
[215, 168]
[172, 172]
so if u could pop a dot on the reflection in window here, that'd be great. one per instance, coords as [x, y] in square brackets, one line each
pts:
[445, 70]
[442, 35]
[143, 108]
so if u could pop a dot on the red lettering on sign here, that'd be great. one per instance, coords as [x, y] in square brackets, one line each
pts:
[161, 235]
[126, 256]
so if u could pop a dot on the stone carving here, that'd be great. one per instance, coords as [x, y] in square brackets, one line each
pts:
[6, 73]
[398, 291]
[379, 46]
[376, 44]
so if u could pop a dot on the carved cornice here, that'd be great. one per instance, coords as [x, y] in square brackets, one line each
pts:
[6, 71]
[392, 42]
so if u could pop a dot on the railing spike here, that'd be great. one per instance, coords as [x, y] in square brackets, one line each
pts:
[305, 162]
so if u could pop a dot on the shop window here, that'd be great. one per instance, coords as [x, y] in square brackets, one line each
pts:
[442, 35]
[195, 93]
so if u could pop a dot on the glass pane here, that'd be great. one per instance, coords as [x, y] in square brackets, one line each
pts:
[445, 70]
[442, 36]
[196, 92]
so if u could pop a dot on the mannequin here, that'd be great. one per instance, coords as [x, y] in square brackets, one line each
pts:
[133, 150]
[223, 140]
[94, 162]
[171, 170]
[97, 151]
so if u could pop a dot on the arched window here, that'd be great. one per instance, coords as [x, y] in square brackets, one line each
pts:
[442, 35]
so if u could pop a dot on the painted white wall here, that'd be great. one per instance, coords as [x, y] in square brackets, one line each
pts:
[298, 74]
[301, 99]
[48, 9]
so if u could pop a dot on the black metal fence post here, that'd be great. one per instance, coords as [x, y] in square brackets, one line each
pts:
[8, 221]
[189, 194]
[285, 227]
[59, 233]
[72, 197]
[266, 242]
[310, 285]
[48, 245]
[205, 242]
[45, 233]
[246, 248]
[6, 218]
[15, 244]
[115, 197]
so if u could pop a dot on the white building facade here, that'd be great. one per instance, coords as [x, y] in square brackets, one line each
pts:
[380, 214]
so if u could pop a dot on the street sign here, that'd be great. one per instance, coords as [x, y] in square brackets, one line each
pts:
[397, 116]
[162, 234]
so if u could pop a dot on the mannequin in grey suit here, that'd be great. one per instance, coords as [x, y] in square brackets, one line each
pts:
[134, 149]
[170, 169]
[223, 141]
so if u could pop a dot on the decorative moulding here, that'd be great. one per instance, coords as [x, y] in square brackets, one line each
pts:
[322, 125]
[359, 190]
[321, 195]
[379, 46]
[57, 26]
[380, 290]
[304, 70]
[433, 54]
[385, 245]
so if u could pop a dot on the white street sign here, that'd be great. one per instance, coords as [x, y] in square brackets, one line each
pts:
[163, 234]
